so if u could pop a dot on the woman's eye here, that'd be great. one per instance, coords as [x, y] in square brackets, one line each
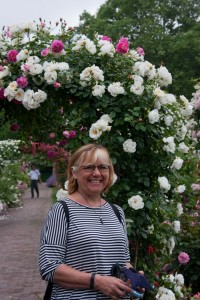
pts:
[103, 168]
[89, 168]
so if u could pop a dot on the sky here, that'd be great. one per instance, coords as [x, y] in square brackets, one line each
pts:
[13, 12]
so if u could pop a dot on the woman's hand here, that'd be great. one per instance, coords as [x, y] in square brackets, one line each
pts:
[111, 286]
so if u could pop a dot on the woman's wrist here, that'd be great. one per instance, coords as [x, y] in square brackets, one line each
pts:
[92, 279]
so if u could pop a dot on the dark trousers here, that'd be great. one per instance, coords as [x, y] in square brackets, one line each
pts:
[34, 186]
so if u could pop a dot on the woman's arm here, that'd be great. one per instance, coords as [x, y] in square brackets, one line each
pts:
[67, 277]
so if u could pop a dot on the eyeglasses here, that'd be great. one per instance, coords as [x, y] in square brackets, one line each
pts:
[90, 168]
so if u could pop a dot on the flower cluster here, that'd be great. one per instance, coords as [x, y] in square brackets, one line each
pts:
[9, 151]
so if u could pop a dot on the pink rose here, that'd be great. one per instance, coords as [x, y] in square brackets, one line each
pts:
[8, 33]
[106, 38]
[57, 85]
[57, 46]
[52, 135]
[122, 46]
[43, 24]
[25, 67]
[14, 127]
[1, 68]
[140, 51]
[63, 142]
[45, 52]
[51, 154]
[72, 134]
[183, 258]
[197, 296]
[12, 55]
[2, 93]
[22, 82]
[61, 110]
[16, 101]
[66, 134]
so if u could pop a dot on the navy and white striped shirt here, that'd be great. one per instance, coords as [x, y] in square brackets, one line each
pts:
[86, 245]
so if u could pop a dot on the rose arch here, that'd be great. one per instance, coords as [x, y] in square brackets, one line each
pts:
[65, 89]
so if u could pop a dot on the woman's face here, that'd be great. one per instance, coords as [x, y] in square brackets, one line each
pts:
[92, 182]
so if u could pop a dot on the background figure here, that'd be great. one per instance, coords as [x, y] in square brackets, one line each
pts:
[34, 175]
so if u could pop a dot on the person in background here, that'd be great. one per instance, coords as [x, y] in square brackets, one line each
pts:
[77, 255]
[35, 177]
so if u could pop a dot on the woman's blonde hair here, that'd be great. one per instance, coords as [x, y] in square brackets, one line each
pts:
[88, 154]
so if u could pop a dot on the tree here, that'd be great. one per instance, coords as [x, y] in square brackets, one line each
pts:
[166, 30]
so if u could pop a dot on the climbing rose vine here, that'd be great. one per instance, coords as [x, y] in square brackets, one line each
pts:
[65, 89]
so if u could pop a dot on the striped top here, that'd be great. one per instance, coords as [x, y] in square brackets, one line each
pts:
[86, 244]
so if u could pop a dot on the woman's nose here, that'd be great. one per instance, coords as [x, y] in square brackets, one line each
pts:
[96, 171]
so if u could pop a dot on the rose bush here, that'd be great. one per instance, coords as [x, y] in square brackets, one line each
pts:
[55, 84]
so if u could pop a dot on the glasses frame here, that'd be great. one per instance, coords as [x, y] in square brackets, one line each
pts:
[84, 167]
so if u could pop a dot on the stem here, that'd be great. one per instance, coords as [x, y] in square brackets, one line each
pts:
[136, 256]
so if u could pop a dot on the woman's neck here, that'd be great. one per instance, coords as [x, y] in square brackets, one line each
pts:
[91, 200]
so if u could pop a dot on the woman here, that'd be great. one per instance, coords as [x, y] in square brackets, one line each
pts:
[77, 257]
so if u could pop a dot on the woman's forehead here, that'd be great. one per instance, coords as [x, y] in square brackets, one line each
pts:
[97, 156]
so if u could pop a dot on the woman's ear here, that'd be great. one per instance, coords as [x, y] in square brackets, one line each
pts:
[74, 172]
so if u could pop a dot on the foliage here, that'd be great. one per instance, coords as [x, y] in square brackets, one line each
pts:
[6, 128]
[76, 91]
[9, 151]
[168, 31]
[13, 183]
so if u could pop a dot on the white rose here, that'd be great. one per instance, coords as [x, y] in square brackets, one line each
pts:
[183, 148]
[164, 184]
[168, 120]
[61, 194]
[176, 226]
[95, 131]
[180, 189]
[179, 209]
[171, 244]
[98, 90]
[129, 146]
[136, 202]
[116, 89]
[179, 279]
[153, 116]
[177, 163]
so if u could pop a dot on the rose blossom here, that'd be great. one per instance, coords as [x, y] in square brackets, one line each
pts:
[45, 52]
[129, 146]
[12, 55]
[197, 296]
[14, 127]
[57, 46]
[66, 134]
[122, 46]
[22, 82]
[140, 51]
[106, 38]
[183, 258]
[177, 163]
[57, 85]
[136, 202]
[52, 135]
[72, 134]
[164, 184]
[2, 93]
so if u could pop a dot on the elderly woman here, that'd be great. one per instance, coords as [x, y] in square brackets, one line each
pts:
[77, 254]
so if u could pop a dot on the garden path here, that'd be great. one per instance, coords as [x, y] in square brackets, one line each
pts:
[19, 242]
